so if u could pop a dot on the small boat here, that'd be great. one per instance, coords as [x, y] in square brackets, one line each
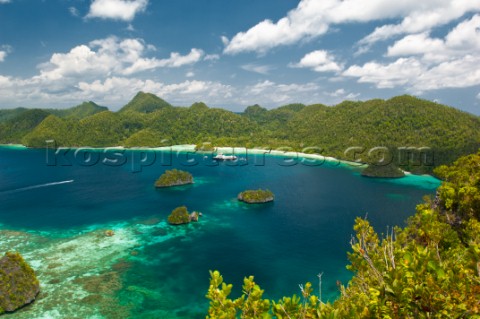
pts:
[221, 157]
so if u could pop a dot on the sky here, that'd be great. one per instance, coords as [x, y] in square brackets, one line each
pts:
[235, 53]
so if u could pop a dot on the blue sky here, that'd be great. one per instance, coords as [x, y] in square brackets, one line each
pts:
[230, 54]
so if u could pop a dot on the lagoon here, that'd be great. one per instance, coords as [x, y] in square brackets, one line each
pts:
[56, 216]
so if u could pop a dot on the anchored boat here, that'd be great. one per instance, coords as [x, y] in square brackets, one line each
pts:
[221, 157]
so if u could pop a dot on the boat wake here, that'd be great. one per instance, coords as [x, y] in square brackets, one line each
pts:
[23, 189]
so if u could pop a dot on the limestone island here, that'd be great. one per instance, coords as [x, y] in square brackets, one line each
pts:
[174, 177]
[180, 216]
[18, 284]
[383, 171]
[258, 196]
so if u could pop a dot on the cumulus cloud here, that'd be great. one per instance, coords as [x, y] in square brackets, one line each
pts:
[125, 10]
[419, 76]
[312, 18]
[110, 56]
[425, 63]
[3, 55]
[87, 70]
[319, 61]
[464, 39]
[424, 16]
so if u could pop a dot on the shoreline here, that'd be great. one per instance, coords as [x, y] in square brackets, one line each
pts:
[223, 149]
[316, 159]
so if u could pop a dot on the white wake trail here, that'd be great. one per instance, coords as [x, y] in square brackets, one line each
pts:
[37, 186]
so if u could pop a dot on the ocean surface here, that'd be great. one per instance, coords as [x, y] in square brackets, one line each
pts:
[55, 209]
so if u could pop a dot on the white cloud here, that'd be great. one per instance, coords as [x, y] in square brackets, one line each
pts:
[110, 56]
[176, 60]
[87, 71]
[319, 61]
[4, 51]
[279, 93]
[123, 88]
[424, 16]
[400, 72]
[424, 63]
[464, 39]
[417, 76]
[116, 9]
[260, 69]
[312, 18]
[224, 39]
[415, 44]
[190, 74]
[4, 1]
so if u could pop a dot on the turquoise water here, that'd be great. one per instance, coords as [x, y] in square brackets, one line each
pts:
[56, 217]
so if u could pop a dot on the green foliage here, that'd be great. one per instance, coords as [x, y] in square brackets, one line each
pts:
[145, 103]
[174, 177]
[80, 111]
[199, 106]
[256, 196]
[402, 121]
[179, 216]
[460, 192]
[14, 129]
[7, 114]
[429, 269]
[385, 171]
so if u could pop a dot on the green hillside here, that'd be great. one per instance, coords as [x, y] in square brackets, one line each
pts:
[80, 111]
[145, 103]
[400, 122]
[12, 130]
[8, 114]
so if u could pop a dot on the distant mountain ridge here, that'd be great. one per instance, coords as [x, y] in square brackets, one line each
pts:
[149, 121]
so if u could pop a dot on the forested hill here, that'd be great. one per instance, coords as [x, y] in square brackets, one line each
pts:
[147, 120]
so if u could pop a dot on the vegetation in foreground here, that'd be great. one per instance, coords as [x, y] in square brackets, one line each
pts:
[429, 269]
[256, 196]
[174, 177]
[405, 122]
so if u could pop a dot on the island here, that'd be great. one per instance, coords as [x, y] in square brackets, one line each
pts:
[258, 196]
[383, 171]
[174, 177]
[18, 284]
[180, 216]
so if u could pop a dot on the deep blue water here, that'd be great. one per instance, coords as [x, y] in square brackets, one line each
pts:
[304, 232]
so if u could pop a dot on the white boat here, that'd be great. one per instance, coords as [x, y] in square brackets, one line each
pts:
[221, 157]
